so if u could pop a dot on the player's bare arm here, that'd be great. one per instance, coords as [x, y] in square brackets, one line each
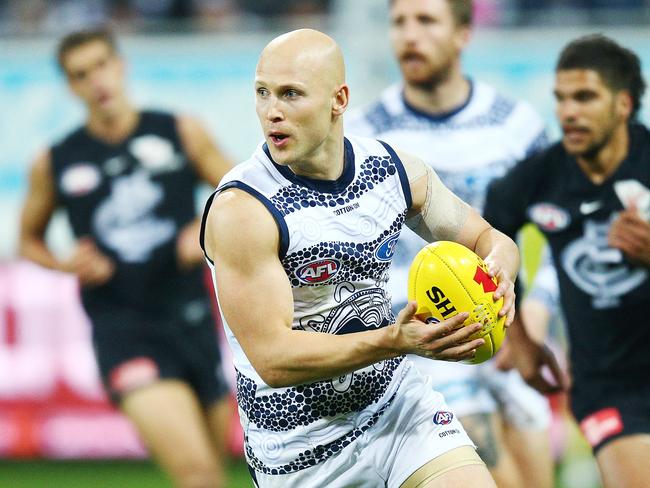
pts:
[438, 214]
[255, 296]
[87, 262]
[210, 164]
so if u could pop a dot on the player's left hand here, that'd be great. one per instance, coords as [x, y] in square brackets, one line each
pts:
[188, 249]
[506, 289]
[631, 234]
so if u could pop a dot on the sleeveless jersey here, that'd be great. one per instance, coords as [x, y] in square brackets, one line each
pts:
[337, 241]
[605, 297]
[467, 148]
[132, 198]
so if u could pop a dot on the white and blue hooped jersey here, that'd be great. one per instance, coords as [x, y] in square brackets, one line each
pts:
[467, 148]
[337, 240]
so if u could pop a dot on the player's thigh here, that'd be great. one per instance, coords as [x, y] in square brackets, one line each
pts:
[220, 417]
[172, 423]
[460, 467]
[532, 454]
[625, 462]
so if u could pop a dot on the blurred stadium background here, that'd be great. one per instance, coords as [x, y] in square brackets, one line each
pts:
[56, 429]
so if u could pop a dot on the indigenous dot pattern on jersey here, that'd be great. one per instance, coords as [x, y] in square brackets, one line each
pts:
[357, 258]
[305, 404]
[372, 171]
[383, 121]
[319, 453]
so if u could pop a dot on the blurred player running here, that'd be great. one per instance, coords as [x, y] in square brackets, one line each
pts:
[127, 179]
[589, 194]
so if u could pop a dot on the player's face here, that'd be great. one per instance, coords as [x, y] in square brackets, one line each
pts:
[295, 110]
[96, 75]
[426, 40]
[588, 111]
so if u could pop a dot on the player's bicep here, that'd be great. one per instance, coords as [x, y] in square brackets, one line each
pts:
[40, 201]
[436, 212]
[254, 293]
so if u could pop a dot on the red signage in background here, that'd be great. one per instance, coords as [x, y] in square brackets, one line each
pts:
[51, 400]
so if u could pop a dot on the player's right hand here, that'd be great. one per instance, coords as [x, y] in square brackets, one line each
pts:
[448, 340]
[89, 264]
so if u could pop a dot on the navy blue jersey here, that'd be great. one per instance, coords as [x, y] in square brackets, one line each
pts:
[132, 199]
[605, 297]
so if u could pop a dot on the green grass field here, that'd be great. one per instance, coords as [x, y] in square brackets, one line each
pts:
[98, 474]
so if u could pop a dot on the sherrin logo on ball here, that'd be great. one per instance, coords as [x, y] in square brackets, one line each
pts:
[445, 279]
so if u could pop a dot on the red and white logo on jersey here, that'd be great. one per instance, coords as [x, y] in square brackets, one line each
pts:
[318, 271]
[443, 418]
[80, 179]
[549, 217]
[133, 374]
[602, 425]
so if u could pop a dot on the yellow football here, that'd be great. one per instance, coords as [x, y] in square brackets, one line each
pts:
[445, 279]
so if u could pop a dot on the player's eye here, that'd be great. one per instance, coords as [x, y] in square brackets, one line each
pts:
[585, 96]
[262, 92]
[291, 93]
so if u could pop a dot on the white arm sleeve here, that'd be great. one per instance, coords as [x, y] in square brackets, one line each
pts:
[443, 213]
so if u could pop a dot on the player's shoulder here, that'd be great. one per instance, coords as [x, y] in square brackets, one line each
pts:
[516, 109]
[544, 163]
[248, 171]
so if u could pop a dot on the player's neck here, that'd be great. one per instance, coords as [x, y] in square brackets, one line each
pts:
[441, 97]
[326, 162]
[115, 126]
[601, 165]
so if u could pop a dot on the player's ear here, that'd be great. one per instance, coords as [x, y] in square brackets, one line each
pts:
[341, 100]
[463, 36]
[624, 104]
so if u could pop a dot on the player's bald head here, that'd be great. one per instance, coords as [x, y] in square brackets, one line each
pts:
[307, 51]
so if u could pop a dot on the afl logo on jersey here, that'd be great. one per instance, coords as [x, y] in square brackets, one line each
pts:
[386, 249]
[443, 418]
[549, 217]
[318, 271]
[80, 179]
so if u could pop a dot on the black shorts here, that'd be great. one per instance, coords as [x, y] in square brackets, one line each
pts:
[608, 410]
[135, 348]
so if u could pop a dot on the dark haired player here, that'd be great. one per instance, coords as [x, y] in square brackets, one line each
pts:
[127, 179]
[589, 195]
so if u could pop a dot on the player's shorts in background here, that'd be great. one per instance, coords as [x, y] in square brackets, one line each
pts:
[482, 389]
[134, 349]
[521, 406]
[606, 410]
[416, 428]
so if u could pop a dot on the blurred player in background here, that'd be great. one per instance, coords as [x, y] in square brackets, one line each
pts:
[589, 195]
[470, 134]
[326, 395]
[127, 180]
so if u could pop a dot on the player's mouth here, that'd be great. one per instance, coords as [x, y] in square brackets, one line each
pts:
[412, 58]
[278, 139]
[575, 134]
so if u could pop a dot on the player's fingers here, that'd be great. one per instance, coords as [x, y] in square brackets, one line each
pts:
[446, 327]
[407, 313]
[556, 372]
[510, 318]
[459, 336]
[459, 352]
